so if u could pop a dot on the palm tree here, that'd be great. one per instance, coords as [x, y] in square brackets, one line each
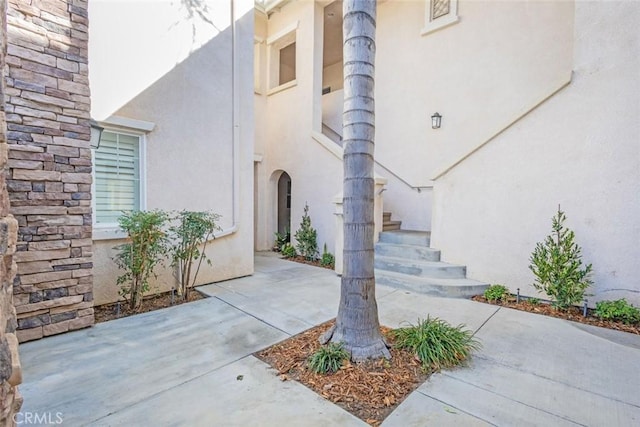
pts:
[357, 326]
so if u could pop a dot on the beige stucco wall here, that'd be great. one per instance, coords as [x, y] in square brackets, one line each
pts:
[498, 61]
[195, 146]
[291, 115]
[262, 239]
[332, 76]
[469, 72]
[332, 104]
[579, 149]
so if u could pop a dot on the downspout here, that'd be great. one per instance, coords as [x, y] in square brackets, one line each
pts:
[235, 150]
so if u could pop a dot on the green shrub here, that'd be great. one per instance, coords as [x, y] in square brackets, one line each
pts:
[618, 310]
[307, 237]
[496, 293]
[191, 231]
[288, 251]
[557, 265]
[436, 343]
[533, 301]
[146, 248]
[327, 260]
[328, 358]
[281, 240]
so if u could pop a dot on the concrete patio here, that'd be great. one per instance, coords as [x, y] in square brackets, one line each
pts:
[193, 365]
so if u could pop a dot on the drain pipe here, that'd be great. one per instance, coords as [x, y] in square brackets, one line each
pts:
[235, 150]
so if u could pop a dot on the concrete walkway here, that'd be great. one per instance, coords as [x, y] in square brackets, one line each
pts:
[191, 365]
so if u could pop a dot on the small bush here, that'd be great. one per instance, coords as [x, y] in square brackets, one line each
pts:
[558, 268]
[328, 358]
[190, 234]
[307, 237]
[281, 240]
[327, 260]
[288, 251]
[437, 344]
[533, 301]
[618, 310]
[145, 249]
[496, 293]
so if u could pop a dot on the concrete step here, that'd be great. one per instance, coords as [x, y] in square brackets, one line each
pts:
[407, 251]
[391, 225]
[447, 288]
[386, 216]
[406, 237]
[434, 269]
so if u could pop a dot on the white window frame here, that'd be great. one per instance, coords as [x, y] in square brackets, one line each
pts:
[275, 43]
[436, 24]
[123, 126]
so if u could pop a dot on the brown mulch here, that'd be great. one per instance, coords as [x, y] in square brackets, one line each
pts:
[369, 390]
[302, 260]
[574, 314]
[106, 312]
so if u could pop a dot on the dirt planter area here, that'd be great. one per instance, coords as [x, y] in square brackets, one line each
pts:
[574, 314]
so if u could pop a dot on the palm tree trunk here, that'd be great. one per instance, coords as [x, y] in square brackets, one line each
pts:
[357, 325]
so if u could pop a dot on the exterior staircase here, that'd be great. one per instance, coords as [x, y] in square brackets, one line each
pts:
[404, 260]
[388, 224]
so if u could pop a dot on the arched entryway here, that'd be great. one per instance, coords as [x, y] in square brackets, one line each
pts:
[284, 203]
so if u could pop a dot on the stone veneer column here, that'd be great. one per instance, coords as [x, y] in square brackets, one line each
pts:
[10, 371]
[49, 178]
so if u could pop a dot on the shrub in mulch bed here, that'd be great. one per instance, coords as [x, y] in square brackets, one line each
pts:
[574, 314]
[106, 312]
[370, 390]
[303, 260]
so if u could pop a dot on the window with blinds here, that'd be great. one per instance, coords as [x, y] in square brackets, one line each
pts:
[117, 176]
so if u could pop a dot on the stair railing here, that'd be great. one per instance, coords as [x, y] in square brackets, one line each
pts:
[336, 137]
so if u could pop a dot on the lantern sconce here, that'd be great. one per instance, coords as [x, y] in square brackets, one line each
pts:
[436, 121]
[96, 134]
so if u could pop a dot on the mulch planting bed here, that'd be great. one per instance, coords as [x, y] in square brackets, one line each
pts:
[369, 390]
[302, 260]
[106, 312]
[574, 314]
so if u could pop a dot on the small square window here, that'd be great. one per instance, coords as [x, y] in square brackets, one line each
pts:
[439, 8]
[439, 14]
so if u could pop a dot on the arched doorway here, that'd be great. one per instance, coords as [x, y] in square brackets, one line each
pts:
[284, 203]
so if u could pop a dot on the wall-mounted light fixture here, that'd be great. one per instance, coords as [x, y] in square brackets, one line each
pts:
[436, 121]
[96, 134]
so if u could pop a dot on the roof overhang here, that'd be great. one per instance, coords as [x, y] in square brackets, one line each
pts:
[269, 6]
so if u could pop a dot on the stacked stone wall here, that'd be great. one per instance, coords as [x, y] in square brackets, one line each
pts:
[10, 370]
[49, 176]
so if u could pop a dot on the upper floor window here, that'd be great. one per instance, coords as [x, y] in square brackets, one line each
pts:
[282, 59]
[287, 64]
[439, 14]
